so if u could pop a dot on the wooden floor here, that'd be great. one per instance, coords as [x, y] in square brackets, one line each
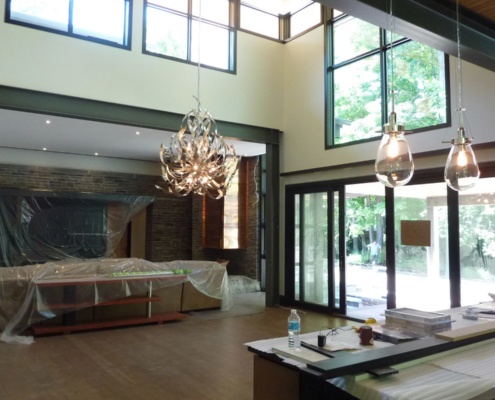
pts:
[194, 358]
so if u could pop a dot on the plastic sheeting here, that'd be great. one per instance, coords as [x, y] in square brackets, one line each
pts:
[37, 227]
[24, 300]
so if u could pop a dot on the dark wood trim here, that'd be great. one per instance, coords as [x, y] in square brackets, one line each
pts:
[94, 110]
[454, 248]
[342, 253]
[371, 162]
[272, 231]
[390, 247]
[290, 259]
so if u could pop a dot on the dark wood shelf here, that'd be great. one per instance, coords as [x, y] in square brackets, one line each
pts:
[125, 300]
[156, 318]
[68, 301]
[109, 280]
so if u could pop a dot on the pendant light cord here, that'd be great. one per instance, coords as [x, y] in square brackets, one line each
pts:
[199, 55]
[392, 72]
[459, 67]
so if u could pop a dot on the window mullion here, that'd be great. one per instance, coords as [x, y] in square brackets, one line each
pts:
[70, 26]
[127, 23]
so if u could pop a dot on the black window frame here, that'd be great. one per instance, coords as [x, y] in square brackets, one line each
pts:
[127, 27]
[190, 18]
[384, 47]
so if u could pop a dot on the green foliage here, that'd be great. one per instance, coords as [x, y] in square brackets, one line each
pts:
[418, 80]
[363, 221]
[168, 46]
[477, 236]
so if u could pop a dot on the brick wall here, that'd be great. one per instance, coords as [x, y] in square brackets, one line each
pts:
[168, 229]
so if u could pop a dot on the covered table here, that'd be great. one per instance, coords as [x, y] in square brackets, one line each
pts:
[36, 295]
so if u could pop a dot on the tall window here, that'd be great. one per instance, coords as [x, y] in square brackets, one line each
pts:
[102, 21]
[172, 29]
[359, 69]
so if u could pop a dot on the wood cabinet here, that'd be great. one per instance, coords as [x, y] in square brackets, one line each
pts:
[225, 220]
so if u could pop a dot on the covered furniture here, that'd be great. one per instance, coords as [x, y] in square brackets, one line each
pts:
[73, 295]
[456, 364]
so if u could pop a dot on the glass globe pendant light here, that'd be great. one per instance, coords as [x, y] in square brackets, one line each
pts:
[394, 164]
[461, 170]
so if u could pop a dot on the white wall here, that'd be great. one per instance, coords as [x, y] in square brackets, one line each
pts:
[47, 62]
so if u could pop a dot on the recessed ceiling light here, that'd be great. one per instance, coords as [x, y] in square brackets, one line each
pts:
[48, 121]
[137, 132]
[96, 154]
[44, 148]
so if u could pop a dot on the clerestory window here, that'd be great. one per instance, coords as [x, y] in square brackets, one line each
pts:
[275, 21]
[102, 21]
[360, 71]
[175, 29]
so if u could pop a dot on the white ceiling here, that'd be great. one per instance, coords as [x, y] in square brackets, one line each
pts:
[29, 131]
[278, 6]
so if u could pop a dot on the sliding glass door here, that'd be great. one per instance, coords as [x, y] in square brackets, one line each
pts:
[421, 256]
[358, 248]
[314, 248]
[313, 264]
[477, 242]
[365, 268]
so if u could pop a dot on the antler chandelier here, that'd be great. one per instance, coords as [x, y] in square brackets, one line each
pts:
[201, 163]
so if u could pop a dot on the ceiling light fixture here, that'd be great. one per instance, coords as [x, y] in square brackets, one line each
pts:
[461, 170]
[197, 159]
[394, 164]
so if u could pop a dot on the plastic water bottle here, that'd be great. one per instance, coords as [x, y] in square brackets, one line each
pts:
[294, 323]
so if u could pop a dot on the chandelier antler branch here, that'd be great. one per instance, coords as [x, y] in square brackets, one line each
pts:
[198, 160]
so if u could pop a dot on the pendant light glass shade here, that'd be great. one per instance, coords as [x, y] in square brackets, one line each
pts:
[461, 170]
[394, 165]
